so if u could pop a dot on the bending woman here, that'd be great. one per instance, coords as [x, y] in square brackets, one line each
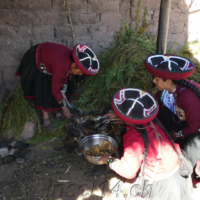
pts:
[46, 71]
[150, 154]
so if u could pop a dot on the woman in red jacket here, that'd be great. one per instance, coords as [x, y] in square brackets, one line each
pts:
[179, 101]
[46, 71]
[149, 152]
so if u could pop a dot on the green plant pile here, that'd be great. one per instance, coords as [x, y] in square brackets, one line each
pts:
[18, 111]
[123, 66]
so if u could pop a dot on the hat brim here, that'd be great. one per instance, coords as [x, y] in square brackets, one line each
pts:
[79, 65]
[166, 74]
[131, 120]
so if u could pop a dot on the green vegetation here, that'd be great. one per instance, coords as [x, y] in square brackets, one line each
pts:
[123, 66]
[18, 111]
[45, 135]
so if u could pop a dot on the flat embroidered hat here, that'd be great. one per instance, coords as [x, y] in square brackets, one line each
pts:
[86, 59]
[169, 66]
[134, 106]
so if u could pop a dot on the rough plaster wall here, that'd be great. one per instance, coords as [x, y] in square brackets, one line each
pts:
[184, 25]
[24, 23]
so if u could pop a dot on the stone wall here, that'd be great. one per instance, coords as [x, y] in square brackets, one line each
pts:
[24, 23]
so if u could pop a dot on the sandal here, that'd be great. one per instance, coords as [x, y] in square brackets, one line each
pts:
[61, 117]
[50, 127]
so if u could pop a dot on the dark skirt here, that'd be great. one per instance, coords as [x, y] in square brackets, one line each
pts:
[37, 85]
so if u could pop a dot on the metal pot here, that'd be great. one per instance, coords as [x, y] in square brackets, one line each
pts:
[91, 140]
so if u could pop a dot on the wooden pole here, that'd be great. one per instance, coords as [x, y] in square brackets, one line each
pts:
[163, 26]
[70, 21]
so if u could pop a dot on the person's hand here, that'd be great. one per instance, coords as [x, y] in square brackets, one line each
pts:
[104, 159]
[197, 168]
[112, 115]
[66, 112]
[173, 135]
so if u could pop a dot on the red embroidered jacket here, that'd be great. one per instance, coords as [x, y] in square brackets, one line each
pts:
[130, 163]
[54, 59]
[189, 103]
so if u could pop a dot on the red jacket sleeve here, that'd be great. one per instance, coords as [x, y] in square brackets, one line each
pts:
[57, 82]
[131, 161]
[190, 103]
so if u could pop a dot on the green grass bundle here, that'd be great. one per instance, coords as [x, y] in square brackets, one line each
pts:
[18, 111]
[123, 66]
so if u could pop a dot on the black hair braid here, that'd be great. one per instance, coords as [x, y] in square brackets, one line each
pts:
[71, 58]
[156, 121]
[188, 85]
[144, 134]
[185, 167]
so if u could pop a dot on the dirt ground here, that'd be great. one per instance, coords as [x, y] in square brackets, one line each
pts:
[49, 174]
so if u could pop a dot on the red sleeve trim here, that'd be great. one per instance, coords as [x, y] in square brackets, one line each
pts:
[29, 97]
[195, 182]
[73, 94]
[17, 74]
[48, 109]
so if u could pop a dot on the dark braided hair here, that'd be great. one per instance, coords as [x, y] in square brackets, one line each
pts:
[156, 121]
[188, 85]
[185, 166]
[144, 134]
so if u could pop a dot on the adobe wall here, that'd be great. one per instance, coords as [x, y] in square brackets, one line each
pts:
[24, 23]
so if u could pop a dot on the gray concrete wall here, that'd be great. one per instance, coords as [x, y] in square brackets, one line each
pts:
[24, 23]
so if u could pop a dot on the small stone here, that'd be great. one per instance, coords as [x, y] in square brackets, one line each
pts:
[20, 160]
[28, 131]
[104, 133]
[3, 152]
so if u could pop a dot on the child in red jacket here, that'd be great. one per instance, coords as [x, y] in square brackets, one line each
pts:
[149, 152]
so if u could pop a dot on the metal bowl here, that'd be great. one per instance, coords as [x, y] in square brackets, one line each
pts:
[91, 140]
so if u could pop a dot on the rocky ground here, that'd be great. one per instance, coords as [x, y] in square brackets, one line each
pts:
[50, 174]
